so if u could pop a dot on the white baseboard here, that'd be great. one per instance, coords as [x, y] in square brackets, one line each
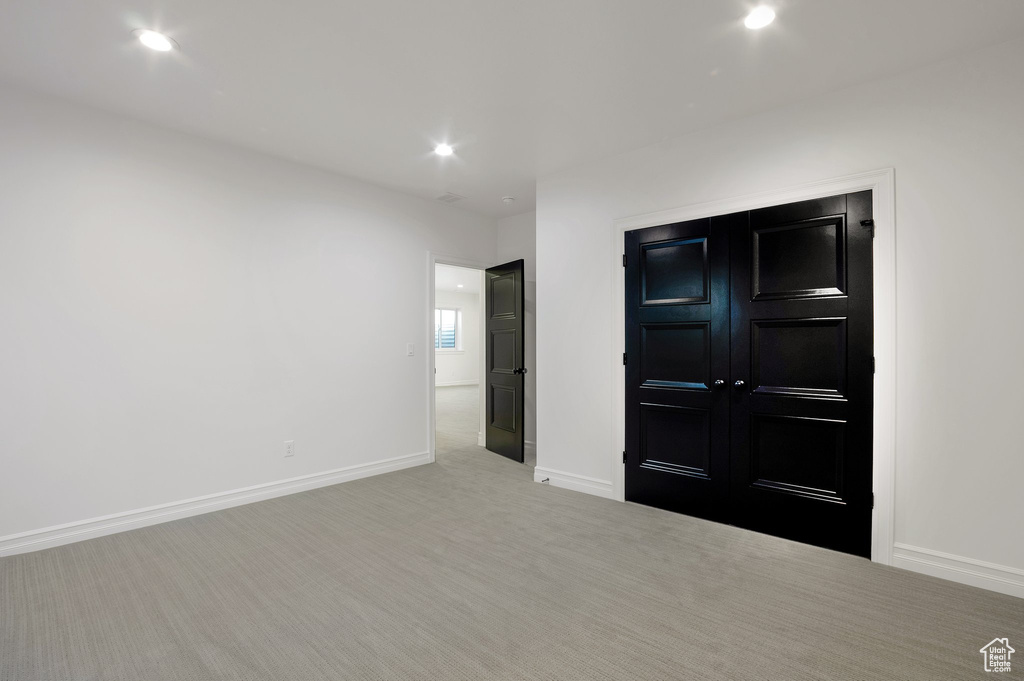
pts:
[452, 384]
[1006, 580]
[35, 540]
[578, 483]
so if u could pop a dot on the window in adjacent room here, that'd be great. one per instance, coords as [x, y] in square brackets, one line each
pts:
[447, 329]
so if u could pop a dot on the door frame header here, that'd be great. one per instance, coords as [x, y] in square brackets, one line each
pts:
[882, 185]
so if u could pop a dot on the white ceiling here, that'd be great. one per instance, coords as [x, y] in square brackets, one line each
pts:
[520, 89]
[448, 278]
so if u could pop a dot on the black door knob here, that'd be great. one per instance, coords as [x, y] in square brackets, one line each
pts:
[739, 384]
[719, 383]
[520, 370]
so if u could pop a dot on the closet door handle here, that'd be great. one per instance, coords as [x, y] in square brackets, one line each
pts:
[739, 384]
[719, 383]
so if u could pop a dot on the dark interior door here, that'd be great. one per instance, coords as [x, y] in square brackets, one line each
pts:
[677, 365]
[796, 401]
[504, 310]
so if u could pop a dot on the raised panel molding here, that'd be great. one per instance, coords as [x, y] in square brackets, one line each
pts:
[660, 342]
[503, 294]
[674, 256]
[686, 428]
[503, 351]
[775, 246]
[815, 433]
[832, 369]
[503, 401]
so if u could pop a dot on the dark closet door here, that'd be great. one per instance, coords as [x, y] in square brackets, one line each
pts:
[677, 366]
[749, 370]
[802, 372]
[504, 311]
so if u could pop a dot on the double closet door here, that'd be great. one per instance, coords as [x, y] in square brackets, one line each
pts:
[749, 370]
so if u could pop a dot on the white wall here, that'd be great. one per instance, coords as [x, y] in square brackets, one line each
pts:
[173, 309]
[517, 238]
[953, 133]
[461, 367]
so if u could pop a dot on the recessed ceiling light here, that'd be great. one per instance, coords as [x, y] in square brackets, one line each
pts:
[154, 41]
[443, 150]
[458, 286]
[759, 17]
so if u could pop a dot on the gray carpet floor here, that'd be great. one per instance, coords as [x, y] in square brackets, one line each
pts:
[457, 419]
[466, 569]
[457, 423]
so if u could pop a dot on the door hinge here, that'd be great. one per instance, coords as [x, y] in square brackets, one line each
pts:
[623, 359]
[869, 223]
[623, 259]
[872, 500]
[623, 456]
[872, 365]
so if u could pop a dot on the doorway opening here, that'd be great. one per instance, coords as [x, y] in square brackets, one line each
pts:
[477, 370]
[459, 349]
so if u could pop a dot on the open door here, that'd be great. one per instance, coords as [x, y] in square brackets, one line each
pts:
[504, 311]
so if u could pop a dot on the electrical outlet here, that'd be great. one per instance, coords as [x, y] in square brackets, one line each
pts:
[289, 448]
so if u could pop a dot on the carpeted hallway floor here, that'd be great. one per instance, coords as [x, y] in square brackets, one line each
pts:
[457, 423]
[466, 569]
[457, 418]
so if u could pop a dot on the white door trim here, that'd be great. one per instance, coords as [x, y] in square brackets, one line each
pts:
[882, 184]
[428, 342]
